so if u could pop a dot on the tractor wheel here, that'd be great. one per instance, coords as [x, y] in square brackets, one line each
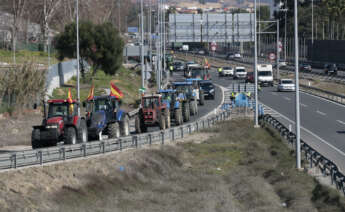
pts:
[162, 122]
[185, 112]
[139, 125]
[82, 132]
[178, 117]
[114, 130]
[188, 113]
[36, 138]
[202, 98]
[124, 126]
[71, 136]
[167, 119]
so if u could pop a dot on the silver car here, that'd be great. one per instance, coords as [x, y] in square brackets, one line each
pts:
[286, 85]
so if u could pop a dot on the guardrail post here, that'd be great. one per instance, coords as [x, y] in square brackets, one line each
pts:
[120, 141]
[203, 124]
[172, 134]
[14, 159]
[189, 129]
[135, 141]
[197, 126]
[162, 133]
[63, 153]
[103, 147]
[181, 132]
[84, 150]
[208, 122]
[150, 139]
[41, 157]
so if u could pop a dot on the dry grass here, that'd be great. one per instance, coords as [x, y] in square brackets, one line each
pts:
[237, 168]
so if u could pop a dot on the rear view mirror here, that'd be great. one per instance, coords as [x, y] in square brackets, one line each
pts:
[35, 106]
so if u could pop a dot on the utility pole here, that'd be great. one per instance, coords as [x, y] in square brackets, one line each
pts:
[150, 30]
[164, 40]
[255, 70]
[142, 45]
[78, 59]
[298, 134]
[312, 21]
[159, 61]
[278, 50]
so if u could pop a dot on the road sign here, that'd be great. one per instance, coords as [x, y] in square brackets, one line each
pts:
[280, 46]
[272, 56]
[213, 46]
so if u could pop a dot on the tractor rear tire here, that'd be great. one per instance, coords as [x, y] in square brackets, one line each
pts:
[82, 132]
[124, 126]
[185, 112]
[162, 122]
[202, 98]
[71, 136]
[36, 138]
[167, 119]
[178, 117]
[139, 125]
[114, 130]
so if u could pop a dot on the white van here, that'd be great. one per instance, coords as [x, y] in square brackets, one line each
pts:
[240, 72]
[265, 74]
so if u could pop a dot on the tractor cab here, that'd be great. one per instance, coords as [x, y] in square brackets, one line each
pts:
[60, 111]
[153, 101]
[200, 73]
[168, 96]
[184, 87]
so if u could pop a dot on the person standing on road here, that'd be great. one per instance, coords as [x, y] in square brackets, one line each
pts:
[220, 70]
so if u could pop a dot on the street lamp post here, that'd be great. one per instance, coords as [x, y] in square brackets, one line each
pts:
[142, 45]
[255, 70]
[312, 21]
[78, 59]
[298, 133]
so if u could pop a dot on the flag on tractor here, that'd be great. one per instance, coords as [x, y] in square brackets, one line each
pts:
[69, 96]
[115, 91]
[91, 93]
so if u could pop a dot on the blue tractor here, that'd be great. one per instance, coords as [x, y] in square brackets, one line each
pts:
[185, 90]
[198, 89]
[104, 116]
[174, 104]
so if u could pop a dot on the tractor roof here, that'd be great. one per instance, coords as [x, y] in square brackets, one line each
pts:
[166, 91]
[193, 79]
[60, 101]
[104, 97]
[183, 83]
[152, 95]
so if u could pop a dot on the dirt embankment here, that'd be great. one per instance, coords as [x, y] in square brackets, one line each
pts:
[232, 167]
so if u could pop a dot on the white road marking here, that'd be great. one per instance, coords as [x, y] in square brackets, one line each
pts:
[287, 98]
[326, 100]
[308, 131]
[303, 105]
[321, 113]
[341, 122]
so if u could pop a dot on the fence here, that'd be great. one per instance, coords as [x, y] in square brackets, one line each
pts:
[327, 167]
[65, 152]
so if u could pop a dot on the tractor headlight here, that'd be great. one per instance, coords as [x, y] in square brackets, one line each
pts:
[212, 90]
[52, 126]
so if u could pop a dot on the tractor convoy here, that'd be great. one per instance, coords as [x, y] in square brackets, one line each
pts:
[104, 115]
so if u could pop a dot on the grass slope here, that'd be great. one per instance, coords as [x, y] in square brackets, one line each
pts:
[236, 168]
[23, 56]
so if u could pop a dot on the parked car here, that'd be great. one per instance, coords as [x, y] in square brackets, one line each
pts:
[286, 85]
[331, 69]
[208, 88]
[305, 67]
[282, 64]
[234, 56]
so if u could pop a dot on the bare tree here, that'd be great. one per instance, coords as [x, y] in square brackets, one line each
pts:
[18, 8]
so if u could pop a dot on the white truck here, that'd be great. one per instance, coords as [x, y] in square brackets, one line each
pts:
[240, 72]
[265, 74]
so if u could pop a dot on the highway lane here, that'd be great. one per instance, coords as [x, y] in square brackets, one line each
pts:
[322, 121]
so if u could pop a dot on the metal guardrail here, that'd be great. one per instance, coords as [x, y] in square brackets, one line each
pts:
[323, 93]
[326, 166]
[65, 152]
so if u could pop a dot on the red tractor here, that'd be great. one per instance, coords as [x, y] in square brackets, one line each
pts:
[61, 124]
[152, 112]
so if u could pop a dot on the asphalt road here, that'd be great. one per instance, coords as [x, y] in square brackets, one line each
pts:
[322, 121]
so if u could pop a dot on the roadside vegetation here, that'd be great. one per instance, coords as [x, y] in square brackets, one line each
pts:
[128, 81]
[23, 56]
[231, 167]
